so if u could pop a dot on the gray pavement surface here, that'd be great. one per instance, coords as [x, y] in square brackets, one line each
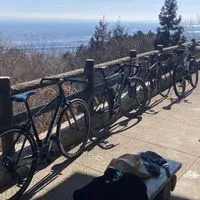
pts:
[171, 128]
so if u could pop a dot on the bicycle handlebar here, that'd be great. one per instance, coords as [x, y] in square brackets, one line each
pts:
[123, 64]
[61, 79]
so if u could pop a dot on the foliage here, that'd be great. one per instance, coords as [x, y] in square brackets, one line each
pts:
[101, 35]
[170, 31]
[106, 44]
[118, 31]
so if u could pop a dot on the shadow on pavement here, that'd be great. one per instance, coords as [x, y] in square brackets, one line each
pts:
[56, 171]
[63, 190]
[178, 198]
[178, 100]
[118, 126]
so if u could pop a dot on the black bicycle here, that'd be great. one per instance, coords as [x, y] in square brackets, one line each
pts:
[127, 97]
[155, 71]
[185, 70]
[18, 160]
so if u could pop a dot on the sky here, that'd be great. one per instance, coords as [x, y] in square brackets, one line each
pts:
[125, 10]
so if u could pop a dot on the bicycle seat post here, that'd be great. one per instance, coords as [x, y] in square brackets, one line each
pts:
[28, 111]
[61, 90]
[31, 122]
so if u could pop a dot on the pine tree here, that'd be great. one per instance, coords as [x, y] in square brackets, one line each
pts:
[101, 35]
[118, 31]
[170, 31]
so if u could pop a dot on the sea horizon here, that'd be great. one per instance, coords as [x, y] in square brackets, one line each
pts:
[68, 35]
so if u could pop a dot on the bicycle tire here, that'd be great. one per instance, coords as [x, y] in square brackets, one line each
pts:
[194, 73]
[164, 80]
[179, 81]
[19, 165]
[146, 77]
[134, 97]
[150, 86]
[101, 112]
[75, 118]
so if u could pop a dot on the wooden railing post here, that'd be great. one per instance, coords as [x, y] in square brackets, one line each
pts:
[6, 111]
[133, 54]
[160, 48]
[89, 75]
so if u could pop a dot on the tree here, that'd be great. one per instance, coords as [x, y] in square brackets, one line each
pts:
[101, 35]
[170, 31]
[118, 31]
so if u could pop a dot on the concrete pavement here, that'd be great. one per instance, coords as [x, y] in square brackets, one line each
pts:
[170, 128]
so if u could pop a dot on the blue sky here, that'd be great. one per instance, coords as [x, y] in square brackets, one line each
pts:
[131, 10]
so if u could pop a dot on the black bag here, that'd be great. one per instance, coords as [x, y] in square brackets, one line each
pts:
[153, 162]
[113, 185]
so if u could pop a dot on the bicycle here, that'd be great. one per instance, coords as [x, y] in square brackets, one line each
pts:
[156, 73]
[185, 69]
[127, 97]
[19, 160]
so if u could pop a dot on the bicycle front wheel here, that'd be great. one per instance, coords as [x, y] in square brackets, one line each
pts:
[134, 97]
[194, 73]
[179, 81]
[18, 159]
[73, 128]
[101, 113]
[164, 80]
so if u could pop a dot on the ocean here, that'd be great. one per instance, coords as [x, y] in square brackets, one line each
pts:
[66, 35]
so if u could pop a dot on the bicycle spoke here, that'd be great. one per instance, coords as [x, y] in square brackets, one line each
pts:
[17, 166]
[74, 128]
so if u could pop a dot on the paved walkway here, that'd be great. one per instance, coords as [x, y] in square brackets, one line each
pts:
[170, 129]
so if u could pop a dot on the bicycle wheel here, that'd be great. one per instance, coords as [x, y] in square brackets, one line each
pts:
[164, 80]
[146, 77]
[149, 83]
[73, 128]
[179, 81]
[194, 73]
[18, 163]
[101, 111]
[134, 97]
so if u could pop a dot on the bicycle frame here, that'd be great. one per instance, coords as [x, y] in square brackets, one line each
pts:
[60, 101]
[119, 88]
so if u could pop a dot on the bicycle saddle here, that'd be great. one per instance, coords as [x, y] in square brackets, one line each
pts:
[23, 97]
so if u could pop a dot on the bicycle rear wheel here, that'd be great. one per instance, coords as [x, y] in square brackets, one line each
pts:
[164, 80]
[73, 128]
[194, 73]
[17, 162]
[179, 81]
[134, 97]
[150, 86]
[101, 113]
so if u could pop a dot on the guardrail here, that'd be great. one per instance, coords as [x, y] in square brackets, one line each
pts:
[6, 90]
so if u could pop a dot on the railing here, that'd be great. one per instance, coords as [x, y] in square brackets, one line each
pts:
[6, 90]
